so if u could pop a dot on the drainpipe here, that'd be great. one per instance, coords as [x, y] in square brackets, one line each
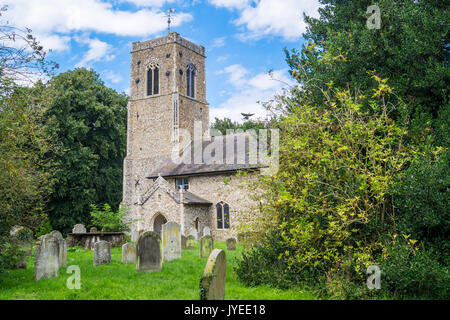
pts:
[182, 212]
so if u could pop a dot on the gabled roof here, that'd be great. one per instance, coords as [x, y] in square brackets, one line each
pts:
[188, 197]
[242, 156]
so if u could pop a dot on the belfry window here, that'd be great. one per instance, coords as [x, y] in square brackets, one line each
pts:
[223, 216]
[190, 80]
[153, 81]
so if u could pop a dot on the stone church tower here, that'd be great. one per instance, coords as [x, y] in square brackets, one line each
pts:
[167, 92]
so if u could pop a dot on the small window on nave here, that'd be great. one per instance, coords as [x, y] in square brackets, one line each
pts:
[223, 215]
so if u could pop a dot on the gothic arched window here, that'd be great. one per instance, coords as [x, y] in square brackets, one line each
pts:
[223, 215]
[153, 80]
[190, 80]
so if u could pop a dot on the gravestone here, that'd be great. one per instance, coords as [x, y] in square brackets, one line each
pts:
[102, 253]
[62, 248]
[149, 253]
[24, 238]
[79, 228]
[206, 246]
[206, 231]
[129, 253]
[134, 236]
[93, 230]
[194, 233]
[183, 242]
[190, 242]
[46, 263]
[231, 244]
[171, 241]
[212, 283]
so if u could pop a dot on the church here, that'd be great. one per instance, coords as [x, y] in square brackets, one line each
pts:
[168, 120]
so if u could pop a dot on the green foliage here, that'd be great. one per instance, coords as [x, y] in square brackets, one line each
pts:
[108, 220]
[45, 228]
[222, 125]
[88, 121]
[422, 201]
[414, 272]
[411, 49]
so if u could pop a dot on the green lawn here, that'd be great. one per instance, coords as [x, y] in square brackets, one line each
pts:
[178, 280]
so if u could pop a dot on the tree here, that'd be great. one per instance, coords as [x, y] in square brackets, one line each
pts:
[410, 49]
[222, 125]
[24, 144]
[89, 121]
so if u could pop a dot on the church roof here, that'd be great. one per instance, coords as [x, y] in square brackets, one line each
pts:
[242, 156]
[188, 197]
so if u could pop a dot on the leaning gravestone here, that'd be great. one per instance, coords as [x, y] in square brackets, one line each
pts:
[206, 246]
[190, 242]
[129, 253]
[212, 283]
[149, 252]
[46, 263]
[206, 231]
[79, 228]
[171, 241]
[93, 230]
[231, 244]
[183, 242]
[102, 253]
[62, 248]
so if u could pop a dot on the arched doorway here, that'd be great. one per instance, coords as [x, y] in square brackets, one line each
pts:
[157, 224]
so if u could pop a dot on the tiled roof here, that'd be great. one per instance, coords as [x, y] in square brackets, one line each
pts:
[239, 157]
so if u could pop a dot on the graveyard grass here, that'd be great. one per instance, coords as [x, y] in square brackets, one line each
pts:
[178, 280]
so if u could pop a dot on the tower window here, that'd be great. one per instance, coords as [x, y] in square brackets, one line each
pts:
[153, 81]
[190, 80]
[223, 216]
[183, 183]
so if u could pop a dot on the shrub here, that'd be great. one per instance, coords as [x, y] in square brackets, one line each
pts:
[108, 220]
[414, 272]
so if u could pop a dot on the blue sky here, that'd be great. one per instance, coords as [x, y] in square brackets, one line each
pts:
[244, 39]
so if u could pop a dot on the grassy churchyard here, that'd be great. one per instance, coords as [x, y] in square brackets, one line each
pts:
[178, 280]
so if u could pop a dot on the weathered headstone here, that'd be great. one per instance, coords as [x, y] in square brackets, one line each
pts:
[190, 242]
[212, 283]
[194, 233]
[79, 228]
[93, 229]
[231, 244]
[129, 253]
[206, 246]
[102, 253]
[134, 236]
[183, 242]
[171, 241]
[62, 248]
[149, 252]
[23, 237]
[46, 263]
[206, 231]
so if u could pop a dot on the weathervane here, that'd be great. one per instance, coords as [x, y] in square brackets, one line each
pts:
[169, 18]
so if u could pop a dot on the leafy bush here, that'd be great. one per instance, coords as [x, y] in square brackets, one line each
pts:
[422, 201]
[108, 220]
[45, 228]
[414, 272]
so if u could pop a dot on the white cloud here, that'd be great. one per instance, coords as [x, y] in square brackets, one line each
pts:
[218, 42]
[112, 77]
[55, 20]
[149, 3]
[98, 50]
[248, 91]
[271, 17]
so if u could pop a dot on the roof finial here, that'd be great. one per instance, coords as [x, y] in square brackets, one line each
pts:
[169, 18]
